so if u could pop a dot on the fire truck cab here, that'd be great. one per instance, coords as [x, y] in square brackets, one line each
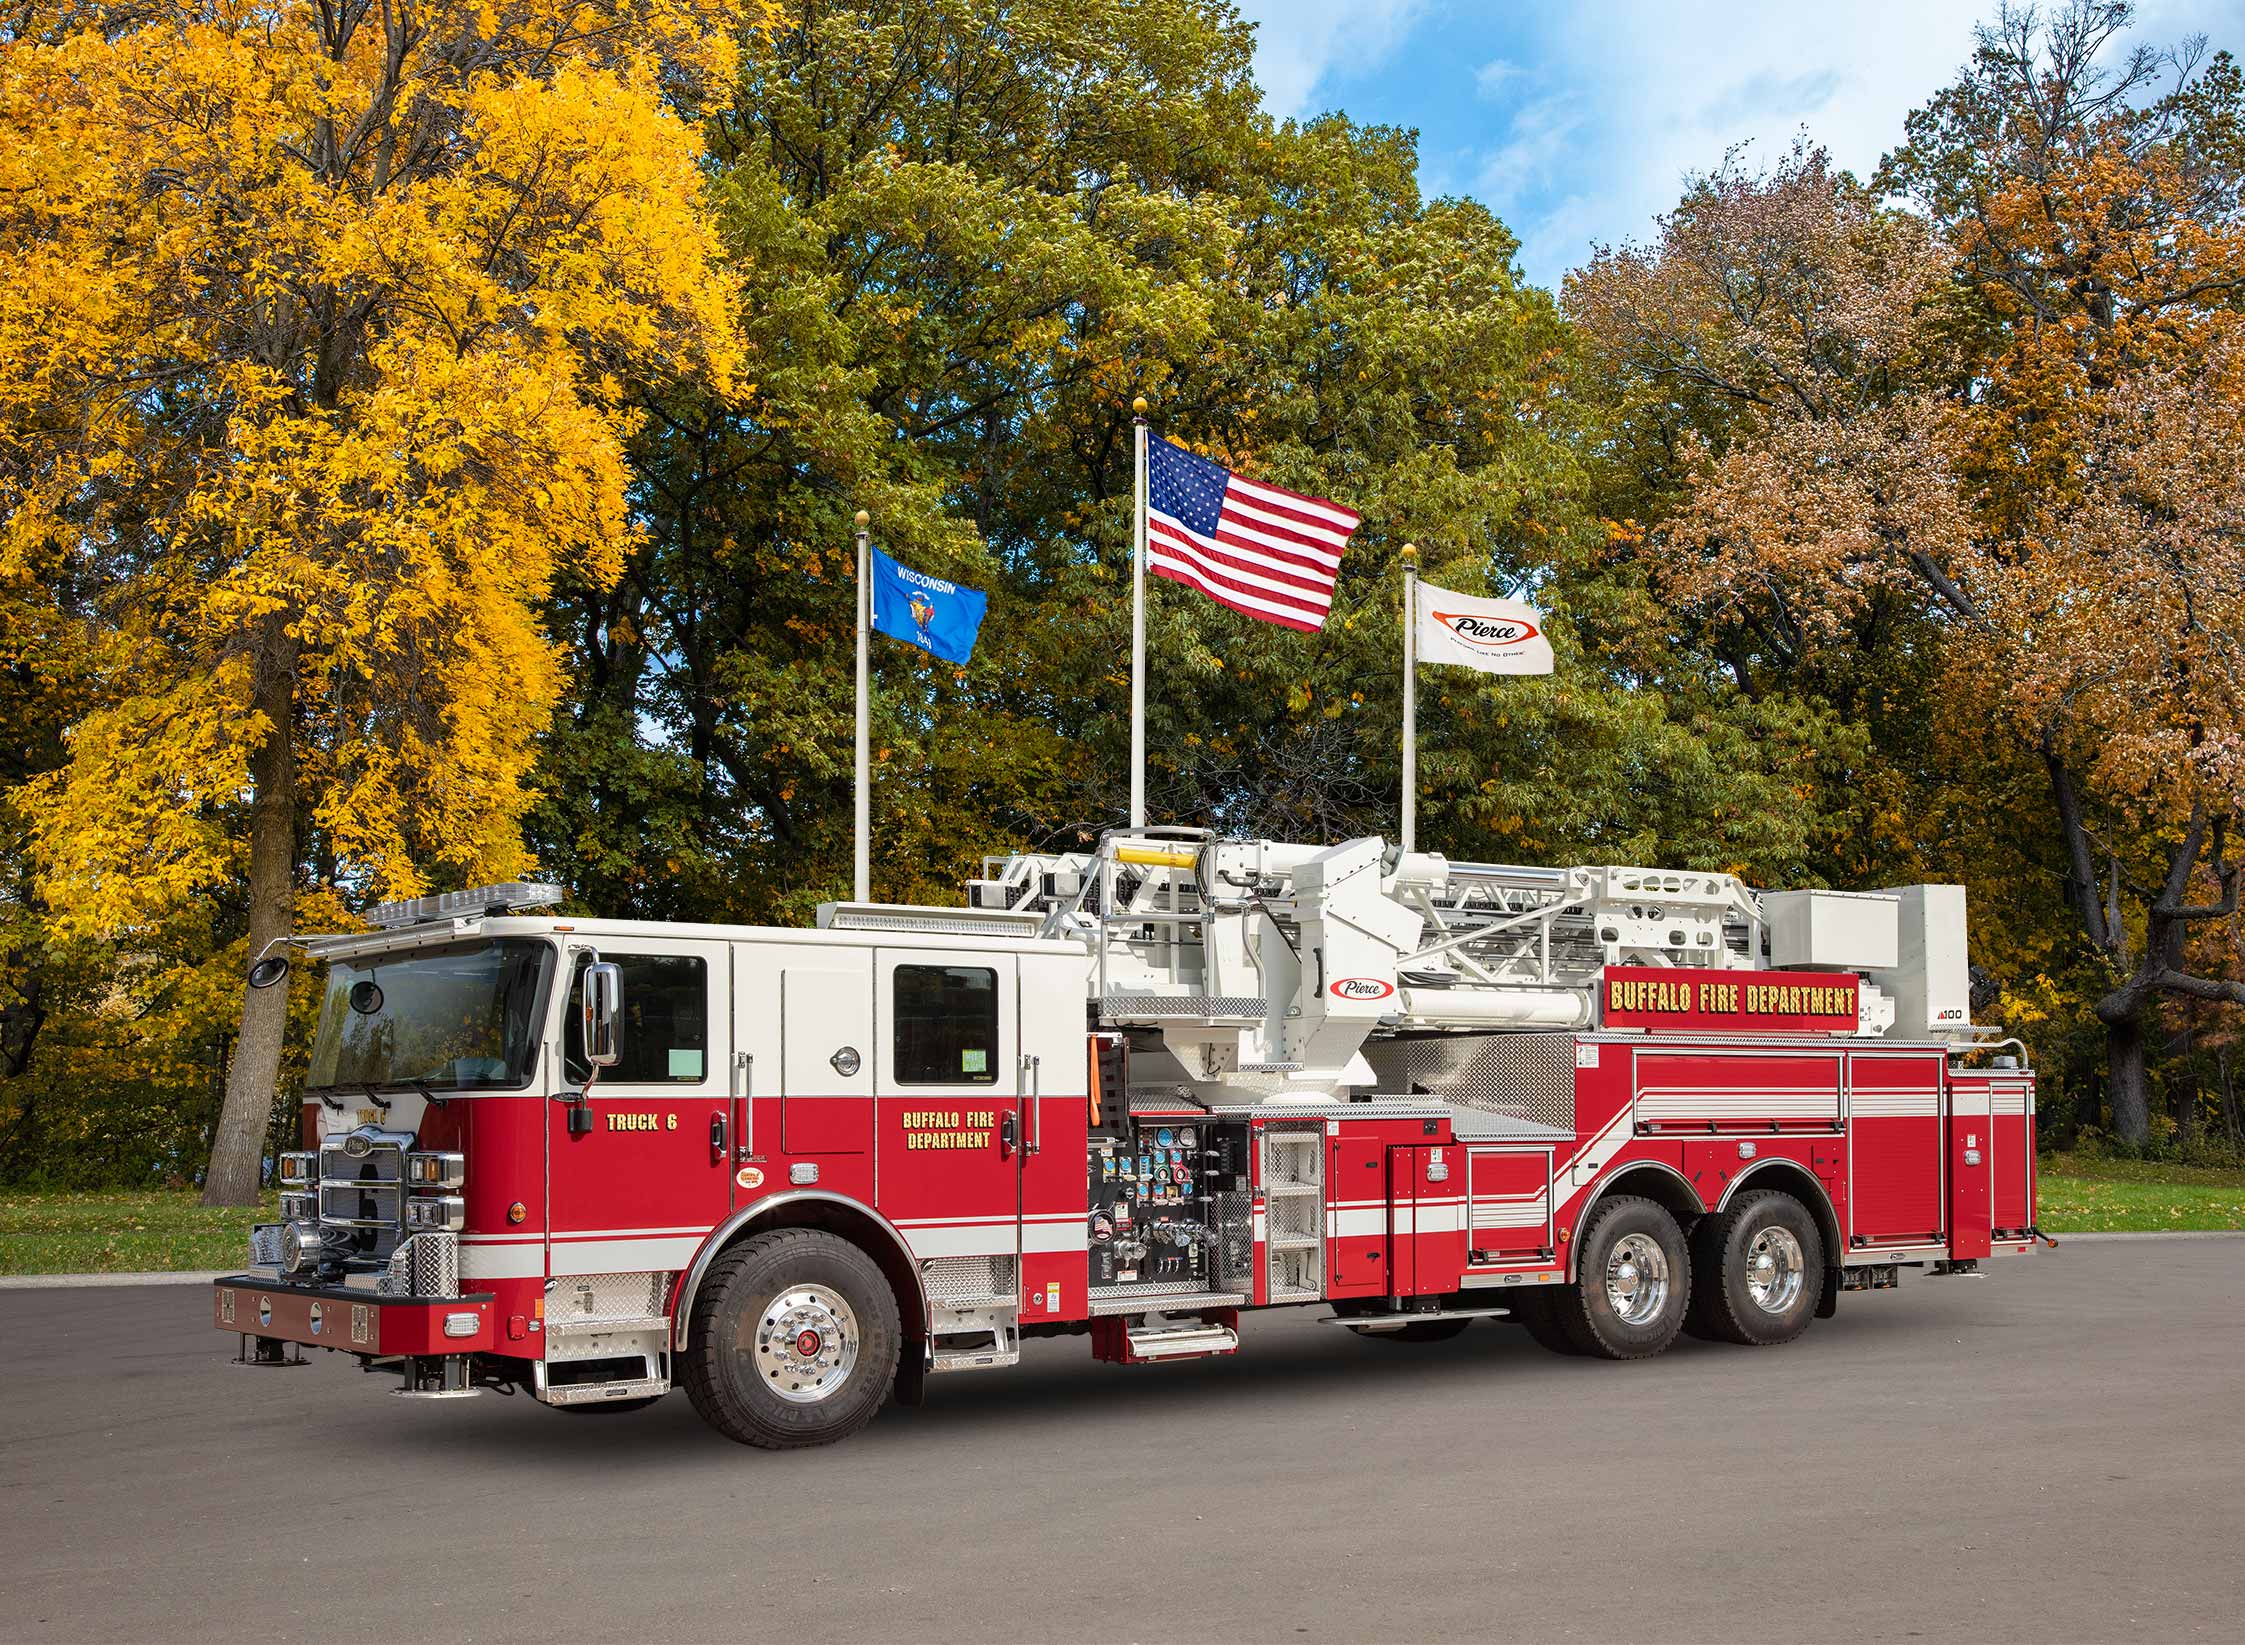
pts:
[1129, 1093]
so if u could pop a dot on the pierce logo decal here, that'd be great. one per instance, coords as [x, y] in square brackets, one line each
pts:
[1488, 633]
[748, 1176]
[1360, 988]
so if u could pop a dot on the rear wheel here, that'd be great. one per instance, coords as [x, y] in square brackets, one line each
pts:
[795, 1340]
[1761, 1271]
[1633, 1281]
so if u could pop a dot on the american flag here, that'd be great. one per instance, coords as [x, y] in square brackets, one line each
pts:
[1272, 554]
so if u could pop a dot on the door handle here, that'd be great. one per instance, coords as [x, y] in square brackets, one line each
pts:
[1008, 1133]
[744, 1083]
[717, 1135]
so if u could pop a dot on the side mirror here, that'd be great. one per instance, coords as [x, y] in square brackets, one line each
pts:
[268, 971]
[603, 1014]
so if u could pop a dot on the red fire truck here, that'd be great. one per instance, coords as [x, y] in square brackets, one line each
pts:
[1128, 1093]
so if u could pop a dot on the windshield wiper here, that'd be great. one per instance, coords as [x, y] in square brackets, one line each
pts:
[374, 1095]
[423, 1090]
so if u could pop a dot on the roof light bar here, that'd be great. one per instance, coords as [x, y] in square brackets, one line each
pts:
[512, 897]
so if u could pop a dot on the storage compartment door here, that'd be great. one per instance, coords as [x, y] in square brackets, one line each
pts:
[1970, 1146]
[1896, 1149]
[1509, 1208]
[1356, 1230]
[2011, 1168]
[1427, 1212]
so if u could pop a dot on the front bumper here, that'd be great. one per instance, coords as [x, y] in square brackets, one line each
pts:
[359, 1322]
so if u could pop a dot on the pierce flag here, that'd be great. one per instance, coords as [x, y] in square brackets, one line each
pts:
[1474, 631]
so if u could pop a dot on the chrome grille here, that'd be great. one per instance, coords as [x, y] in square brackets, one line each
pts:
[384, 1162]
[361, 1205]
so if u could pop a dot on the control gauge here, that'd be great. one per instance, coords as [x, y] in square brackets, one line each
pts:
[1186, 1137]
[1163, 1137]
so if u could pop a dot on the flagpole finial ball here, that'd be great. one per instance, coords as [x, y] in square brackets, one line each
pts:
[1410, 551]
[1138, 406]
[863, 519]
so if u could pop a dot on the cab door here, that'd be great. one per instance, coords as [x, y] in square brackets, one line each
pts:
[948, 1135]
[637, 1189]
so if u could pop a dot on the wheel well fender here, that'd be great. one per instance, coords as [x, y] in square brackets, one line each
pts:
[1655, 1180]
[852, 1219]
[1791, 1177]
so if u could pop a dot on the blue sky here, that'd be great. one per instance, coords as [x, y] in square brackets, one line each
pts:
[1576, 122]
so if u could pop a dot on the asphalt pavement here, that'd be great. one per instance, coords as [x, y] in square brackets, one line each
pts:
[2049, 1453]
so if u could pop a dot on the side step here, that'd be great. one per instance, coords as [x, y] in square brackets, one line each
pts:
[983, 1350]
[1155, 1338]
[1396, 1322]
[599, 1393]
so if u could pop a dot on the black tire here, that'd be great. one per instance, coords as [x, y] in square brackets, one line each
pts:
[1587, 1312]
[1426, 1330]
[746, 1396]
[1725, 1307]
[1534, 1310]
[608, 1407]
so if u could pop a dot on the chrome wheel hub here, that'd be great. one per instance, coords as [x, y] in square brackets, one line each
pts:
[1637, 1279]
[806, 1344]
[1776, 1268]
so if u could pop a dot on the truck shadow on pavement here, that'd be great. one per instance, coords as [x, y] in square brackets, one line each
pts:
[1281, 1374]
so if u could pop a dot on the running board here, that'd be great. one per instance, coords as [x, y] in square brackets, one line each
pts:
[1396, 1322]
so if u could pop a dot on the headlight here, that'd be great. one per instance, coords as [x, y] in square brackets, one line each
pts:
[441, 1212]
[436, 1170]
[300, 1168]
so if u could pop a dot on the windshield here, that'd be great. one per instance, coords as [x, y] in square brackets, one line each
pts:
[451, 1018]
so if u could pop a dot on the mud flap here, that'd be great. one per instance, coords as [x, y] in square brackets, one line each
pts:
[1829, 1303]
[911, 1388]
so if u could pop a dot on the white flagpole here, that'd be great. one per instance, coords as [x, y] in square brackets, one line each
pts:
[1138, 624]
[1410, 697]
[862, 867]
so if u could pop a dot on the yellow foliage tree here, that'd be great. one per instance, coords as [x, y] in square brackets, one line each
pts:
[313, 372]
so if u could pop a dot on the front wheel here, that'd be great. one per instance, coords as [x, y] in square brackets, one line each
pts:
[1633, 1282]
[795, 1340]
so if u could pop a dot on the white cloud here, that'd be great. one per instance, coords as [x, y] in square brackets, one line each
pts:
[1660, 88]
[1537, 145]
[1492, 77]
[1299, 43]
